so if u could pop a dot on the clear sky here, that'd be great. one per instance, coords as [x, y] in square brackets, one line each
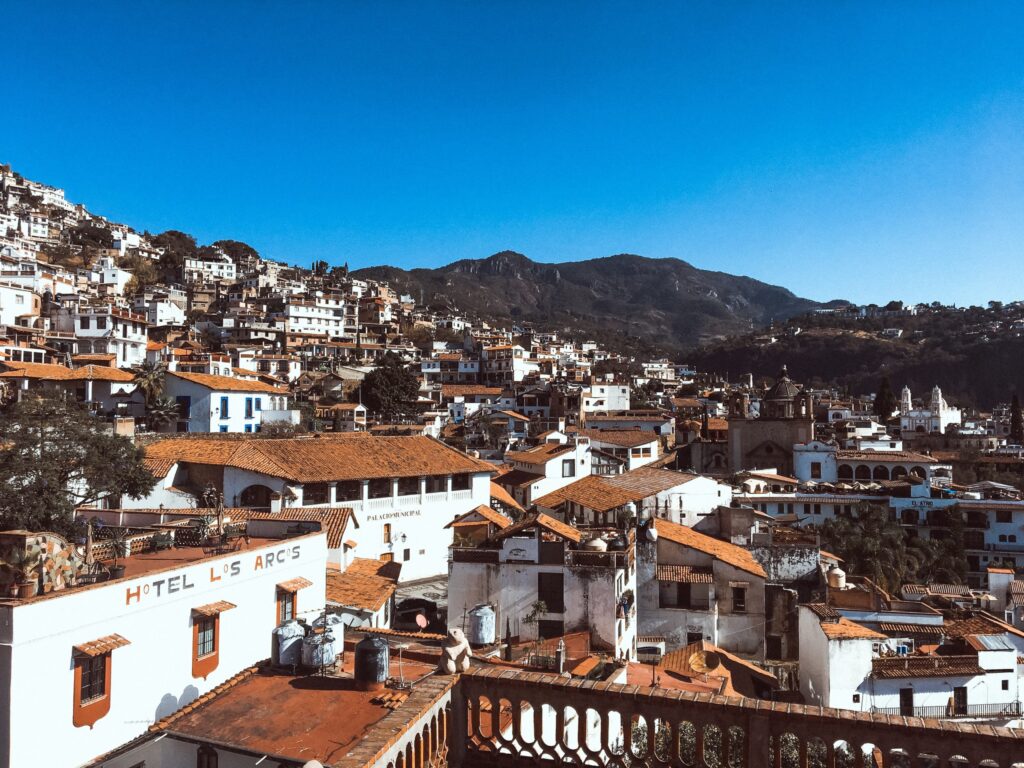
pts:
[855, 149]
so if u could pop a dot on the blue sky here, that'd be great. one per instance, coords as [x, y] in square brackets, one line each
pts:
[863, 150]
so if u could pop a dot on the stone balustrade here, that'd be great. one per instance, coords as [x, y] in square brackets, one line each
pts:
[511, 718]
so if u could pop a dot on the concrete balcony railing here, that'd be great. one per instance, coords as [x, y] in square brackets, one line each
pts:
[505, 718]
[971, 711]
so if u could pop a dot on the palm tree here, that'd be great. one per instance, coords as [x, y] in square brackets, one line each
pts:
[161, 411]
[149, 378]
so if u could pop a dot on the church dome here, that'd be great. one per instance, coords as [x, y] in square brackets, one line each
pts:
[784, 388]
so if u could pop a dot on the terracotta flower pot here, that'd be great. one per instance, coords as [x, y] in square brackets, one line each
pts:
[27, 589]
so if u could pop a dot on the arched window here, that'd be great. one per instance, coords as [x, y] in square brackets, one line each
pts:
[863, 472]
[845, 472]
[880, 473]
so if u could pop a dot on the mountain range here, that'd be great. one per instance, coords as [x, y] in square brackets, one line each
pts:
[620, 301]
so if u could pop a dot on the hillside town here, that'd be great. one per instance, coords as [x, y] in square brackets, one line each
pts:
[369, 529]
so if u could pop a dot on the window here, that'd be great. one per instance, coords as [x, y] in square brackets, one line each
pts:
[408, 486]
[206, 757]
[84, 323]
[856, 698]
[816, 470]
[437, 484]
[248, 427]
[316, 493]
[248, 407]
[406, 555]
[550, 628]
[349, 490]
[387, 557]
[224, 407]
[1006, 685]
[462, 482]
[207, 641]
[94, 678]
[285, 606]
[568, 468]
[387, 533]
[223, 427]
[380, 488]
[1004, 516]
[101, 323]
[739, 599]
[551, 591]
[259, 403]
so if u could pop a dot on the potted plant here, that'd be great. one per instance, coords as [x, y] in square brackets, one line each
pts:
[22, 565]
[119, 541]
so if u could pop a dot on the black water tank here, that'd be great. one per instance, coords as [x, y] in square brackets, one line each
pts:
[371, 663]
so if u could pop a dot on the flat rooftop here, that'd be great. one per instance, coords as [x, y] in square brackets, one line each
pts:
[306, 717]
[144, 563]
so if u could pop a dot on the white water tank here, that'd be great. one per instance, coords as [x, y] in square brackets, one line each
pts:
[288, 644]
[481, 625]
[319, 649]
[596, 544]
[836, 578]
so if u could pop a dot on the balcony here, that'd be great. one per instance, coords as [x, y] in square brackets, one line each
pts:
[972, 711]
[506, 719]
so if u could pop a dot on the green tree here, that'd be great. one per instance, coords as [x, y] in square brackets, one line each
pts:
[149, 379]
[872, 544]
[58, 457]
[161, 411]
[390, 390]
[177, 246]
[885, 400]
[237, 251]
[1016, 421]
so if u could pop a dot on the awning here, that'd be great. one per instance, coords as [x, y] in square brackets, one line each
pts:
[351, 543]
[294, 585]
[213, 609]
[101, 645]
[684, 574]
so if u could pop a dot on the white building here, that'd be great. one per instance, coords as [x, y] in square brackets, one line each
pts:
[694, 587]
[604, 397]
[114, 331]
[403, 490]
[118, 655]
[208, 403]
[546, 467]
[219, 268]
[586, 580]
[937, 417]
[109, 276]
[871, 659]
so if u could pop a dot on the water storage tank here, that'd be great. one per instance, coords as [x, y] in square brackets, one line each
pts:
[618, 544]
[596, 545]
[371, 663]
[481, 625]
[288, 644]
[319, 649]
[836, 578]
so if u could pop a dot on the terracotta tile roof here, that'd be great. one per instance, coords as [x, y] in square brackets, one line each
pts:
[899, 628]
[430, 636]
[155, 346]
[844, 629]
[517, 478]
[333, 520]
[294, 585]
[488, 514]
[449, 391]
[365, 585]
[100, 373]
[512, 415]
[647, 481]
[728, 553]
[546, 522]
[539, 454]
[624, 438]
[94, 358]
[902, 457]
[592, 492]
[823, 610]
[925, 666]
[346, 456]
[101, 645]
[981, 623]
[772, 476]
[741, 677]
[684, 574]
[43, 371]
[227, 383]
[502, 496]
[158, 466]
[213, 609]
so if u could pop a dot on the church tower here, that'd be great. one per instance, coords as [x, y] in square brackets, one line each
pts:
[906, 402]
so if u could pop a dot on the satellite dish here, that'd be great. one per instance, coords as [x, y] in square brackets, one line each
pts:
[704, 661]
[421, 621]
